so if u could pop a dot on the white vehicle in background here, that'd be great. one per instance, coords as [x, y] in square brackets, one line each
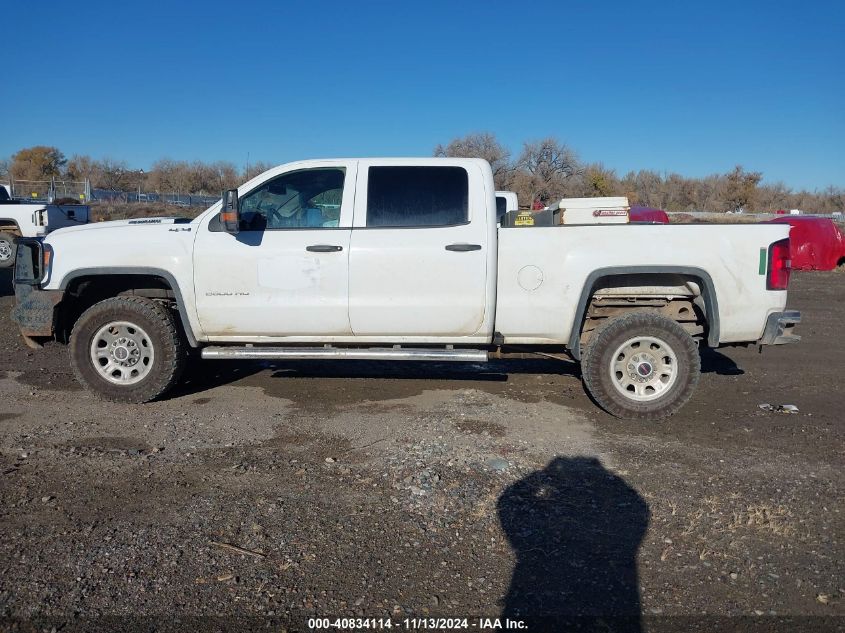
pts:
[411, 266]
[26, 219]
[506, 201]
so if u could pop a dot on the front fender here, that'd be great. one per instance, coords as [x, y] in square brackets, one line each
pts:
[190, 332]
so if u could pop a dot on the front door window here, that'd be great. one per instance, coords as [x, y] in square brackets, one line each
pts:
[308, 199]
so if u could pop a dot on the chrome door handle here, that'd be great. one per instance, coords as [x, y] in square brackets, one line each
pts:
[323, 248]
[462, 248]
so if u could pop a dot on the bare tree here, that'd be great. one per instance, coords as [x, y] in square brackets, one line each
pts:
[546, 169]
[256, 168]
[543, 169]
[82, 167]
[115, 175]
[482, 145]
[741, 188]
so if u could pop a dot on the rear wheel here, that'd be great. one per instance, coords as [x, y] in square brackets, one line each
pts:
[641, 366]
[8, 248]
[127, 349]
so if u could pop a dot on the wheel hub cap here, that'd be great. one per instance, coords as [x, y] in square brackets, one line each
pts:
[125, 352]
[122, 352]
[5, 250]
[643, 368]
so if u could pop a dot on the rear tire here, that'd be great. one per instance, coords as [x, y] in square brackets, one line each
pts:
[8, 250]
[641, 366]
[127, 349]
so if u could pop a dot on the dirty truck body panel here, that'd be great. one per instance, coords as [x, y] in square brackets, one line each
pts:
[402, 258]
[544, 272]
[400, 284]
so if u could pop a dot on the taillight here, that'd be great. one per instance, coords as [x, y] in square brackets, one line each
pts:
[780, 266]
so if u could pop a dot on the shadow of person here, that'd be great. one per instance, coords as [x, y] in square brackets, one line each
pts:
[575, 528]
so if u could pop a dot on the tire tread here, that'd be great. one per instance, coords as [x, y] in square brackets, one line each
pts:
[638, 322]
[172, 349]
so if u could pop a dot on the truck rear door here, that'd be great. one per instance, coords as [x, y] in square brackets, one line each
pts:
[420, 245]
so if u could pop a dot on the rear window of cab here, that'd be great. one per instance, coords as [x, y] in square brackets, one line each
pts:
[417, 196]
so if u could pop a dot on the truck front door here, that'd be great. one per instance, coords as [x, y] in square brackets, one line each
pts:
[286, 273]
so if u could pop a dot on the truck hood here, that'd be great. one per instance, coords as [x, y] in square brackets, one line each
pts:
[111, 224]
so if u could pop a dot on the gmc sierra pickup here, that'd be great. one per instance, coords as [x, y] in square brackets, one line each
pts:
[401, 259]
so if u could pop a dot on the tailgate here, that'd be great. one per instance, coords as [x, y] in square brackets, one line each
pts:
[62, 215]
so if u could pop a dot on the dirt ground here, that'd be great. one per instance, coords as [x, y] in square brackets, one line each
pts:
[263, 494]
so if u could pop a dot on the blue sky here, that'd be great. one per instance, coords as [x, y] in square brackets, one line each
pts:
[691, 87]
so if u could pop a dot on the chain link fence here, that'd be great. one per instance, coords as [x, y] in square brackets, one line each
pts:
[175, 199]
[43, 190]
[46, 190]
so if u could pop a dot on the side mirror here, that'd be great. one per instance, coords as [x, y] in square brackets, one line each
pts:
[230, 213]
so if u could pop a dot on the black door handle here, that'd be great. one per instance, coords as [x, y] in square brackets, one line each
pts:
[323, 248]
[462, 248]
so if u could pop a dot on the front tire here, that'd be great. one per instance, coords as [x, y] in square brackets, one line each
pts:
[8, 249]
[127, 349]
[641, 366]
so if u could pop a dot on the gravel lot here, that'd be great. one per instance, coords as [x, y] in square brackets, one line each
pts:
[279, 491]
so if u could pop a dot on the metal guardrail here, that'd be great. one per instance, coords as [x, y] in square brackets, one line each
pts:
[712, 215]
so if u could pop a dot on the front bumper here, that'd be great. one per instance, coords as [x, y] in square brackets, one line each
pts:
[35, 312]
[779, 327]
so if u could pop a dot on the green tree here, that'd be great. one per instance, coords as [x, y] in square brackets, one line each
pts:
[600, 181]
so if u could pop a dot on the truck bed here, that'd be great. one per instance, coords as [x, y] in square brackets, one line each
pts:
[545, 274]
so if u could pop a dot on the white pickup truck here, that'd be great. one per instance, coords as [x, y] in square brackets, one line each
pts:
[400, 259]
[28, 219]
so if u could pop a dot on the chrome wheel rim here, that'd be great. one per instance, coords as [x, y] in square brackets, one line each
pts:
[5, 250]
[643, 368]
[122, 353]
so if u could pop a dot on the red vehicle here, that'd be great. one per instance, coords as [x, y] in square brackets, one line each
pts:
[815, 243]
[647, 214]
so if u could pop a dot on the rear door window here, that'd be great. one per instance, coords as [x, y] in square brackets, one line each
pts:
[417, 196]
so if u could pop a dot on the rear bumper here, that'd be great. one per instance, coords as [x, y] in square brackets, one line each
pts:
[779, 327]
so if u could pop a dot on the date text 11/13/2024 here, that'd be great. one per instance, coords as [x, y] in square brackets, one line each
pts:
[416, 624]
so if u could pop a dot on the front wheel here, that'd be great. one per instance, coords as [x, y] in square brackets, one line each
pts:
[127, 349]
[8, 248]
[641, 366]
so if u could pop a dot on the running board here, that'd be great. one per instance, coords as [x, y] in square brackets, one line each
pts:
[345, 353]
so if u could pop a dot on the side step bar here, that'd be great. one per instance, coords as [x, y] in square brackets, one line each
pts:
[344, 353]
